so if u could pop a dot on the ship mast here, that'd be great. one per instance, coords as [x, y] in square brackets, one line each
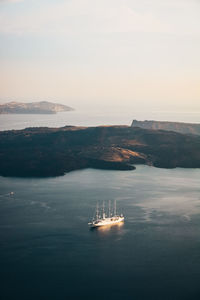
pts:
[114, 207]
[109, 208]
[97, 212]
[103, 213]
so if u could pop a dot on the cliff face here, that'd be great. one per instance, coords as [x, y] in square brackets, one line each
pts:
[42, 107]
[185, 128]
[55, 151]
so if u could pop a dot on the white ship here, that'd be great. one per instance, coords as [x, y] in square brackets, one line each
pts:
[110, 219]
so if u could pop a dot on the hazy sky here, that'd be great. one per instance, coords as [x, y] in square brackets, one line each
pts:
[123, 52]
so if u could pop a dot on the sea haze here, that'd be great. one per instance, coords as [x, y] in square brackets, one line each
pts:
[48, 252]
[90, 116]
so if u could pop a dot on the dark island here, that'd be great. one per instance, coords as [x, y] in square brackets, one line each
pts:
[185, 128]
[54, 151]
[43, 107]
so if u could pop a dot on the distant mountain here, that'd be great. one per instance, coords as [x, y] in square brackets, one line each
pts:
[55, 151]
[42, 107]
[185, 128]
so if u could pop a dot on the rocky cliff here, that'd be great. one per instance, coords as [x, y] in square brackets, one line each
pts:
[186, 128]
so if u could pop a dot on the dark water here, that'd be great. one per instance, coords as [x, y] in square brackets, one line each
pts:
[48, 252]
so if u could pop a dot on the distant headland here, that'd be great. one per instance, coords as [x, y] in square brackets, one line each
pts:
[185, 128]
[43, 152]
[42, 107]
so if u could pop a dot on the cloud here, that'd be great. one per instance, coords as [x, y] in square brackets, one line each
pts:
[89, 16]
[10, 1]
[79, 17]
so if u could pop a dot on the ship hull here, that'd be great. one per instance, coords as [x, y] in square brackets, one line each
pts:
[107, 221]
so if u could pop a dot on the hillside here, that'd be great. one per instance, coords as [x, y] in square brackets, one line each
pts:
[42, 107]
[55, 151]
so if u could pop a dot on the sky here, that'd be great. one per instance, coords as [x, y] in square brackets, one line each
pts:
[110, 52]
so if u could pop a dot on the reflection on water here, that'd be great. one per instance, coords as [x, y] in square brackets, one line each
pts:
[113, 228]
[184, 206]
[174, 196]
[47, 247]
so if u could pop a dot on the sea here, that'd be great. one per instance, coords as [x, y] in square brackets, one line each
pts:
[47, 250]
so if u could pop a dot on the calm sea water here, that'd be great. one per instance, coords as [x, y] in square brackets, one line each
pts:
[97, 116]
[48, 252]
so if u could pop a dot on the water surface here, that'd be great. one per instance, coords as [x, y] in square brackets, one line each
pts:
[48, 252]
[91, 116]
